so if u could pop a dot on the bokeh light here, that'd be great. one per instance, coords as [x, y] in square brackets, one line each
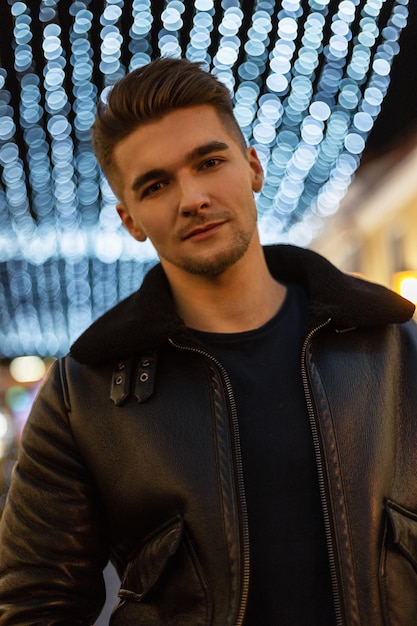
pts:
[308, 80]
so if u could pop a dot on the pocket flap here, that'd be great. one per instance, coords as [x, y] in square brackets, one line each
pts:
[146, 566]
[404, 526]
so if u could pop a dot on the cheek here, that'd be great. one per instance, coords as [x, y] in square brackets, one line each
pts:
[154, 228]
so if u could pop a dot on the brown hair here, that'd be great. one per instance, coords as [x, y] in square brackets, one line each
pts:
[150, 92]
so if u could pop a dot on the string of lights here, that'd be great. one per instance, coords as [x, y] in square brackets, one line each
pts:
[308, 79]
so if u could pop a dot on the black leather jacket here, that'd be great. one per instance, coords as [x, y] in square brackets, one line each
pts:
[132, 452]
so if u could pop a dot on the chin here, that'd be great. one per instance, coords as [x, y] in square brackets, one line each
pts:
[213, 267]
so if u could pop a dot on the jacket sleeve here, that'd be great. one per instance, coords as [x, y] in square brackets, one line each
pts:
[53, 539]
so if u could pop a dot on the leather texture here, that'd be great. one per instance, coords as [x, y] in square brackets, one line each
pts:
[365, 392]
[149, 477]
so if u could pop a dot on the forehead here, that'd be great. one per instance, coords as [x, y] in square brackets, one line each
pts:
[179, 129]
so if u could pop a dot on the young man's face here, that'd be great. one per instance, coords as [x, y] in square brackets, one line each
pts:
[186, 183]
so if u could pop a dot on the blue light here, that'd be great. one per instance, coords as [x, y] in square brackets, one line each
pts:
[363, 122]
[9, 152]
[111, 14]
[7, 128]
[308, 80]
[381, 66]
[354, 143]
[204, 5]
[18, 8]
[287, 28]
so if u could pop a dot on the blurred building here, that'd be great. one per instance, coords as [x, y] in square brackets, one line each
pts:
[374, 232]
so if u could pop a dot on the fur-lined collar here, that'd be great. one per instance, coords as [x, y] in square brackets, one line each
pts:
[147, 318]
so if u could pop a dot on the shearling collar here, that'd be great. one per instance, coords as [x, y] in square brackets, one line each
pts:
[147, 318]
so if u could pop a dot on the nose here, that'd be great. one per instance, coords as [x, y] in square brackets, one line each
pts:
[193, 198]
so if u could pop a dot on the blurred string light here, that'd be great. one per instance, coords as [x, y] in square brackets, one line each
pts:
[168, 36]
[200, 34]
[308, 78]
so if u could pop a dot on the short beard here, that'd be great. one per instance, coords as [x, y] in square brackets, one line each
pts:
[220, 263]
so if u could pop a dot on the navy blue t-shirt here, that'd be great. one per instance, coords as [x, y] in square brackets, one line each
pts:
[289, 573]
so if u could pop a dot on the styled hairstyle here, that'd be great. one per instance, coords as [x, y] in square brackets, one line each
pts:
[149, 93]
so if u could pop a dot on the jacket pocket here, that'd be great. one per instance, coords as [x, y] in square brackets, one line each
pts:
[163, 583]
[398, 570]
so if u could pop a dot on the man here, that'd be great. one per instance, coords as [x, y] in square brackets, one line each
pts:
[239, 436]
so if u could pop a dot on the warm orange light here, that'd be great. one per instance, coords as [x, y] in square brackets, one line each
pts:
[405, 283]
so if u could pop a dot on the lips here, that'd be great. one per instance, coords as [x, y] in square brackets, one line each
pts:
[200, 230]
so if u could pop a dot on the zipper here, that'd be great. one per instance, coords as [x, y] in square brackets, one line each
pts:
[320, 473]
[239, 474]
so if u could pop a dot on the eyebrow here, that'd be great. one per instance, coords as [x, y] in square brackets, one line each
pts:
[195, 153]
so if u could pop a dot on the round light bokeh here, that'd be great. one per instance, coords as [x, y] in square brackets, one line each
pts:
[307, 89]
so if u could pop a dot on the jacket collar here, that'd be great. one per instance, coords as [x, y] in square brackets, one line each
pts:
[147, 318]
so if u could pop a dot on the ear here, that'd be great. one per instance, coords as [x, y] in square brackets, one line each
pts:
[129, 223]
[256, 169]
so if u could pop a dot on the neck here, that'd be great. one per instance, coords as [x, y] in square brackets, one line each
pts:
[242, 298]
